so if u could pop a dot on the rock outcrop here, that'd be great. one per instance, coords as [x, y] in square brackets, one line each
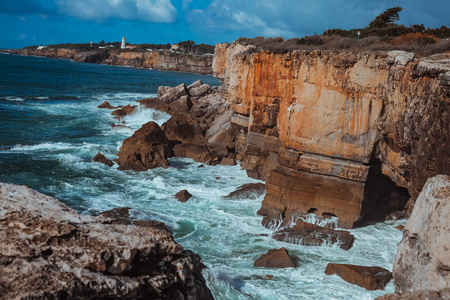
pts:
[276, 258]
[48, 251]
[183, 196]
[350, 135]
[160, 60]
[147, 148]
[370, 278]
[247, 191]
[102, 159]
[422, 295]
[423, 256]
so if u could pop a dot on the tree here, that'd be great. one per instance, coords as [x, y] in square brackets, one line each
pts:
[387, 18]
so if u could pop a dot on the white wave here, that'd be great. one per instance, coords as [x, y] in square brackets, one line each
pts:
[143, 115]
[42, 98]
[14, 98]
[43, 147]
[123, 96]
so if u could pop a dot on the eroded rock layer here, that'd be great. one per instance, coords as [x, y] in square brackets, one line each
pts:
[48, 251]
[347, 135]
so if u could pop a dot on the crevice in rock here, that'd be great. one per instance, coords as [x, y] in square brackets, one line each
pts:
[383, 199]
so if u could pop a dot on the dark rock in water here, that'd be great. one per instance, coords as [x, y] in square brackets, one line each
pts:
[370, 278]
[183, 196]
[49, 251]
[106, 105]
[313, 235]
[424, 295]
[122, 112]
[198, 153]
[399, 227]
[147, 148]
[226, 161]
[275, 258]
[154, 103]
[201, 166]
[177, 128]
[102, 159]
[248, 191]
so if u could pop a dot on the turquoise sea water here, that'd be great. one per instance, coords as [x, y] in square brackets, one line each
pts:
[50, 128]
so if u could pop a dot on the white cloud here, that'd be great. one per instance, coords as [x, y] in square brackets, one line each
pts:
[161, 11]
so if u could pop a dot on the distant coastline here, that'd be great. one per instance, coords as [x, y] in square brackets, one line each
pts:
[165, 60]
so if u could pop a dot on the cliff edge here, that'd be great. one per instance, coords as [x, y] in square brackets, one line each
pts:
[338, 134]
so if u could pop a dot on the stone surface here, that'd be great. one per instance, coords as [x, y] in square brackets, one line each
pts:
[183, 196]
[422, 261]
[48, 251]
[370, 278]
[197, 152]
[313, 235]
[275, 258]
[422, 295]
[227, 161]
[102, 159]
[247, 191]
[147, 148]
[170, 94]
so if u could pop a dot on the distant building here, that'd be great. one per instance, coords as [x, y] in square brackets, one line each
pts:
[123, 43]
[41, 47]
[175, 47]
[131, 47]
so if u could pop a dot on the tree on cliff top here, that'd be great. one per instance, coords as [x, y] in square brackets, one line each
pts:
[386, 19]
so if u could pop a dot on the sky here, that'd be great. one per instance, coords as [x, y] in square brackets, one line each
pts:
[43, 22]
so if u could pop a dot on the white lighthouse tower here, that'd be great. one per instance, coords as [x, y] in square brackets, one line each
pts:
[123, 43]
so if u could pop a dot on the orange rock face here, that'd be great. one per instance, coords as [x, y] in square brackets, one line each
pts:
[314, 123]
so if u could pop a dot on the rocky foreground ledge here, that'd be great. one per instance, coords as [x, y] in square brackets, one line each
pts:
[48, 251]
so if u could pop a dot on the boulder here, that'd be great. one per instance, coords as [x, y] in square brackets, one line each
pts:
[170, 94]
[370, 278]
[275, 258]
[147, 148]
[247, 191]
[198, 153]
[106, 105]
[218, 150]
[102, 159]
[313, 235]
[182, 105]
[49, 251]
[177, 128]
[183, 196]
[195, 84]
[423, 295]
[422, 261]
[200, 91]
[227, 161]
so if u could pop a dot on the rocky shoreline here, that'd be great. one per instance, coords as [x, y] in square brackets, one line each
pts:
[48, 251]
[158, 60]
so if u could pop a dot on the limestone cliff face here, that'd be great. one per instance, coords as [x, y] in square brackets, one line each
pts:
[320, 127]
[161, 60]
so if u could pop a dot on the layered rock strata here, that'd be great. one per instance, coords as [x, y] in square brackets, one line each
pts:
[347, 135]
[48, 251]
[160, 60]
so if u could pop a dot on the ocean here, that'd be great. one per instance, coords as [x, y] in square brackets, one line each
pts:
[51, 128]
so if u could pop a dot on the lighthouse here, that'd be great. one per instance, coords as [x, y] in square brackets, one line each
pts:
[123, 43]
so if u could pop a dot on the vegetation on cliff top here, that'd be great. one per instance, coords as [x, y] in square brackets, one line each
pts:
[381, 34]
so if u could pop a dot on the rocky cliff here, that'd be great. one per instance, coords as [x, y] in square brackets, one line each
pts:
[48, 251]
[160, 60]
[347, 135]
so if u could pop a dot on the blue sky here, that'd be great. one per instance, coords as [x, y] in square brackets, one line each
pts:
[43, 22]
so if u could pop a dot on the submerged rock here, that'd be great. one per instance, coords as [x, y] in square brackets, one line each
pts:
[422, 261]
[147, 148]
[370, 278]
[248, 191]
[183, 196]
[48, 251]
[102, 159]
[313, 235]
[275, 258]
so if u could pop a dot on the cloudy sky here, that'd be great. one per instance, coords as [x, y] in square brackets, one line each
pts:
[43, 22]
